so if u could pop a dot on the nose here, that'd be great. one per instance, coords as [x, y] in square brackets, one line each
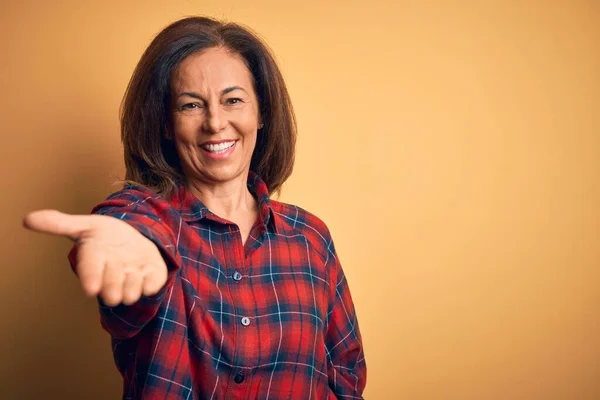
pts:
[216, 121]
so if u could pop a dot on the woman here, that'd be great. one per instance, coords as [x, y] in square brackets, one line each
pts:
[208, 287]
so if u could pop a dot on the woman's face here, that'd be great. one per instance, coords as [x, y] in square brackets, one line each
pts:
[215, 117]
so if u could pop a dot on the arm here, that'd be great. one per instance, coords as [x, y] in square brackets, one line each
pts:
[150, 218]
[347, 368]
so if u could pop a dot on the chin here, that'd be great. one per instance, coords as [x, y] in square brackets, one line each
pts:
[223, 175]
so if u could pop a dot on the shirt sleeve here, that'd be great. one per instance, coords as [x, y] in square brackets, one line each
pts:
[148, 214]
[347, 370]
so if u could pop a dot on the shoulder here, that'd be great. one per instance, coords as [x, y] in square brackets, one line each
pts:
[146, 211]
[295, 220]
[134, 192]
[133, 199]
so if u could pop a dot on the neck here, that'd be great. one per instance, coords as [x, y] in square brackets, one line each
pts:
[228, 200]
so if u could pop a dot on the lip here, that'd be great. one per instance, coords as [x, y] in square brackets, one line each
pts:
[218, 156]
[217, 141]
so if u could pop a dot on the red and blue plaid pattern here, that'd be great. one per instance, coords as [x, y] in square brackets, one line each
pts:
[273, 319]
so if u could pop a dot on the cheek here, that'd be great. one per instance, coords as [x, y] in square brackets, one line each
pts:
[248, 116]
[249, 145]
[249, 124]
[184, 128]
[250, 134]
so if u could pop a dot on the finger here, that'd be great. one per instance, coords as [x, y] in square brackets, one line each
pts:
[57, 223]
[89, 269]
[112, 285]
[132, 287]
[155, 279]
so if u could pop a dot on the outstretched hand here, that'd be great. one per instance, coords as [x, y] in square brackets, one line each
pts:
[114, 260]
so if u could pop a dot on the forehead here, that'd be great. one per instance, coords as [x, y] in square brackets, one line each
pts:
[214, 68]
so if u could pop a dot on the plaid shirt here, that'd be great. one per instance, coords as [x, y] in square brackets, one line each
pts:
[273, 319]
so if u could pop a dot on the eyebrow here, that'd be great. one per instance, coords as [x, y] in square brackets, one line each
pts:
[232, 88]
[223, 92]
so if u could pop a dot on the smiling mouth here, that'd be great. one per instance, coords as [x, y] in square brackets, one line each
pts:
[218, 147]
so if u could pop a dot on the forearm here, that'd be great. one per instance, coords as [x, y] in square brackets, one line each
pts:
[347, 369]
[126, 321]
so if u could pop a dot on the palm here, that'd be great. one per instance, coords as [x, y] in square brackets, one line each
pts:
[114, 260]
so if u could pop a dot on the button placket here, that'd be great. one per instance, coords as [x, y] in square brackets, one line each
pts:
[240, 289]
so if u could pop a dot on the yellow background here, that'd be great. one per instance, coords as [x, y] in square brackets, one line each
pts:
[452, 147]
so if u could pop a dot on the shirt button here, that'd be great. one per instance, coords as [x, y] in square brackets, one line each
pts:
[245, 321]
[239, 378]
[237, 276]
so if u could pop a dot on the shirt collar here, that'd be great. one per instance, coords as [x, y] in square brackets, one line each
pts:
[192, 209]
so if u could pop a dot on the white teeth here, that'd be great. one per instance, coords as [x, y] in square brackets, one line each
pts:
[218, 148]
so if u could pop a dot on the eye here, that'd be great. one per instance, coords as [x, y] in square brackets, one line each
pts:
[233, 100]
[189, 106]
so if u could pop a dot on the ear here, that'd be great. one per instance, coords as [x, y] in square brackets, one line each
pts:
[260, 121]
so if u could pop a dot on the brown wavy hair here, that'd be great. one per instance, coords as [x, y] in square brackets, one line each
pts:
[150, 159]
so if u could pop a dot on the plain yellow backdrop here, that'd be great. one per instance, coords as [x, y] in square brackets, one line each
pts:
[452, 147]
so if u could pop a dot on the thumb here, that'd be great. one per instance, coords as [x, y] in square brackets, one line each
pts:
[57, 223]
